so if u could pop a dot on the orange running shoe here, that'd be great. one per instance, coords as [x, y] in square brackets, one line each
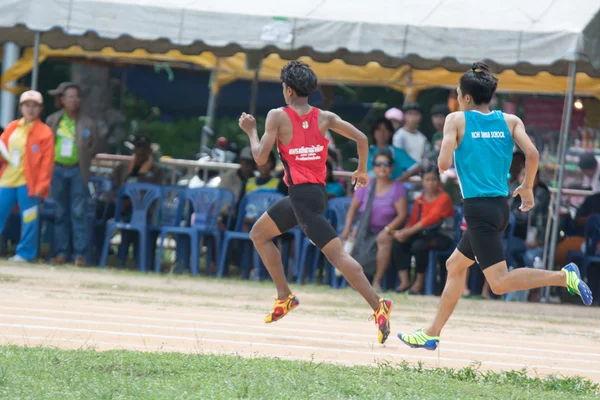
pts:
[382, 319]
[281, 308]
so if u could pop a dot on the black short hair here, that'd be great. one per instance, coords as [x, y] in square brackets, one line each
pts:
[440, 109]
[382, 121]
[413, 107]
[432, 169]
[588, 161]
[385, 153]
[300, 77]
[479, 83]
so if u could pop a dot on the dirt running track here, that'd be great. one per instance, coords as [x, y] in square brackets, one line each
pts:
[74, 309]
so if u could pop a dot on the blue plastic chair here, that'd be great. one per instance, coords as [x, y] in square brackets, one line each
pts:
[337, 209]
[167, 213]
[142, 197]
[205, 204]
[434, 255]
[252, 206]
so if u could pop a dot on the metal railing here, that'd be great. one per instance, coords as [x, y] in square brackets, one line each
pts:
[104, 163]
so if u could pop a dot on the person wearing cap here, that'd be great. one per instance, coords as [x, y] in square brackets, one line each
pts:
[75, 147]
[396, 117]
[26, 163]
[409, 137]
[57, 94]
[235, 180]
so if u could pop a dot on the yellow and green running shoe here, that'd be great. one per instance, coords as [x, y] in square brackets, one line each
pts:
[576, 285]
[420, 340]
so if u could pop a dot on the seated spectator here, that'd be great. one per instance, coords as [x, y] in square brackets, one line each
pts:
[142, 168]
[388, 212]
[424, 231]
[266, 181]
[382, 137]
[589, 164]
[235, 180]
[590, 206]
[409, 137]
[333, 187]
[528, 240]
[26, 164]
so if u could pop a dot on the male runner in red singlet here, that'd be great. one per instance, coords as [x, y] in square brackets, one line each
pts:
[299, 131]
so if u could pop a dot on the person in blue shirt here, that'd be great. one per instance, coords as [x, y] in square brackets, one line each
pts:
[382, 132]
[482, 142]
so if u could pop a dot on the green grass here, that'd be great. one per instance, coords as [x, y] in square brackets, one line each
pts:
[43, 373]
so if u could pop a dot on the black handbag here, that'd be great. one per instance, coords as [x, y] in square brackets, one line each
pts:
[445, 227]
[365, 242]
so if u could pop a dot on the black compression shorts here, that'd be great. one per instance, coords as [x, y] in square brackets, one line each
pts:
[305, 206]
[487, 218]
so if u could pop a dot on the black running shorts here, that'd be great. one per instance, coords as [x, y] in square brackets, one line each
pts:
[487, 218]
[305, 206]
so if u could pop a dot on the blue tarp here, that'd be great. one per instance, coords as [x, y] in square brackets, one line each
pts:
[186, 95]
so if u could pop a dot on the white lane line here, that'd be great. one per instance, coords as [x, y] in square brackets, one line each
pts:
[298, 338]
[299, 347]
[294, 330]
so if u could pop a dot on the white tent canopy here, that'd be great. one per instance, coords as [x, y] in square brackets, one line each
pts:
[528, 36]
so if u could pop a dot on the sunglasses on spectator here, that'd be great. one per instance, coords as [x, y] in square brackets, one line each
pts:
[382, 164]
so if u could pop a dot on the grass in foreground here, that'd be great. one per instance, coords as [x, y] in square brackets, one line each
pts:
[43, 373]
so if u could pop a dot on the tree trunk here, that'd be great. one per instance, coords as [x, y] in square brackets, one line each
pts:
[97, 102]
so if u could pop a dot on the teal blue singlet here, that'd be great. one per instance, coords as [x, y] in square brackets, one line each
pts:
[484, 155]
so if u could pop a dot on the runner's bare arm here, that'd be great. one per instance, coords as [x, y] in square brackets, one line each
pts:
[532, 156]
[261, 148]
[449, 142]
[349, 131]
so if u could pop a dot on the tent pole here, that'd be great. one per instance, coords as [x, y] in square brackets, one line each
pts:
[254, 94]
[36, 66]
[561, 165]
[7, 99]
[210, 111]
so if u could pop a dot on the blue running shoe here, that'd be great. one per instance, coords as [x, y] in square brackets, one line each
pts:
[576, 285]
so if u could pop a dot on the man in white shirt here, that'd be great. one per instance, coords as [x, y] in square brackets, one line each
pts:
[409, 137]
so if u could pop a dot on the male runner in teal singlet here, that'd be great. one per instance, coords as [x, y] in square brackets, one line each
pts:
[482, 142]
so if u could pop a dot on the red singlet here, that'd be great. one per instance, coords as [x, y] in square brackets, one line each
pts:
[305, 156]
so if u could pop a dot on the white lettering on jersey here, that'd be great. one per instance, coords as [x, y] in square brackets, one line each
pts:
[488, 135]
[307, 153]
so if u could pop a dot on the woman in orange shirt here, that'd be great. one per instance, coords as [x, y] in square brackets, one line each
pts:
[423, 231]
[26, 163]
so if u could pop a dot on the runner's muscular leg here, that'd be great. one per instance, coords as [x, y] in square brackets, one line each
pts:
[351, 269]
[262, 234]
[457, 266]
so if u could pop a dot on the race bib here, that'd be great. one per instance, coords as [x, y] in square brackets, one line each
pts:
[66, 147]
